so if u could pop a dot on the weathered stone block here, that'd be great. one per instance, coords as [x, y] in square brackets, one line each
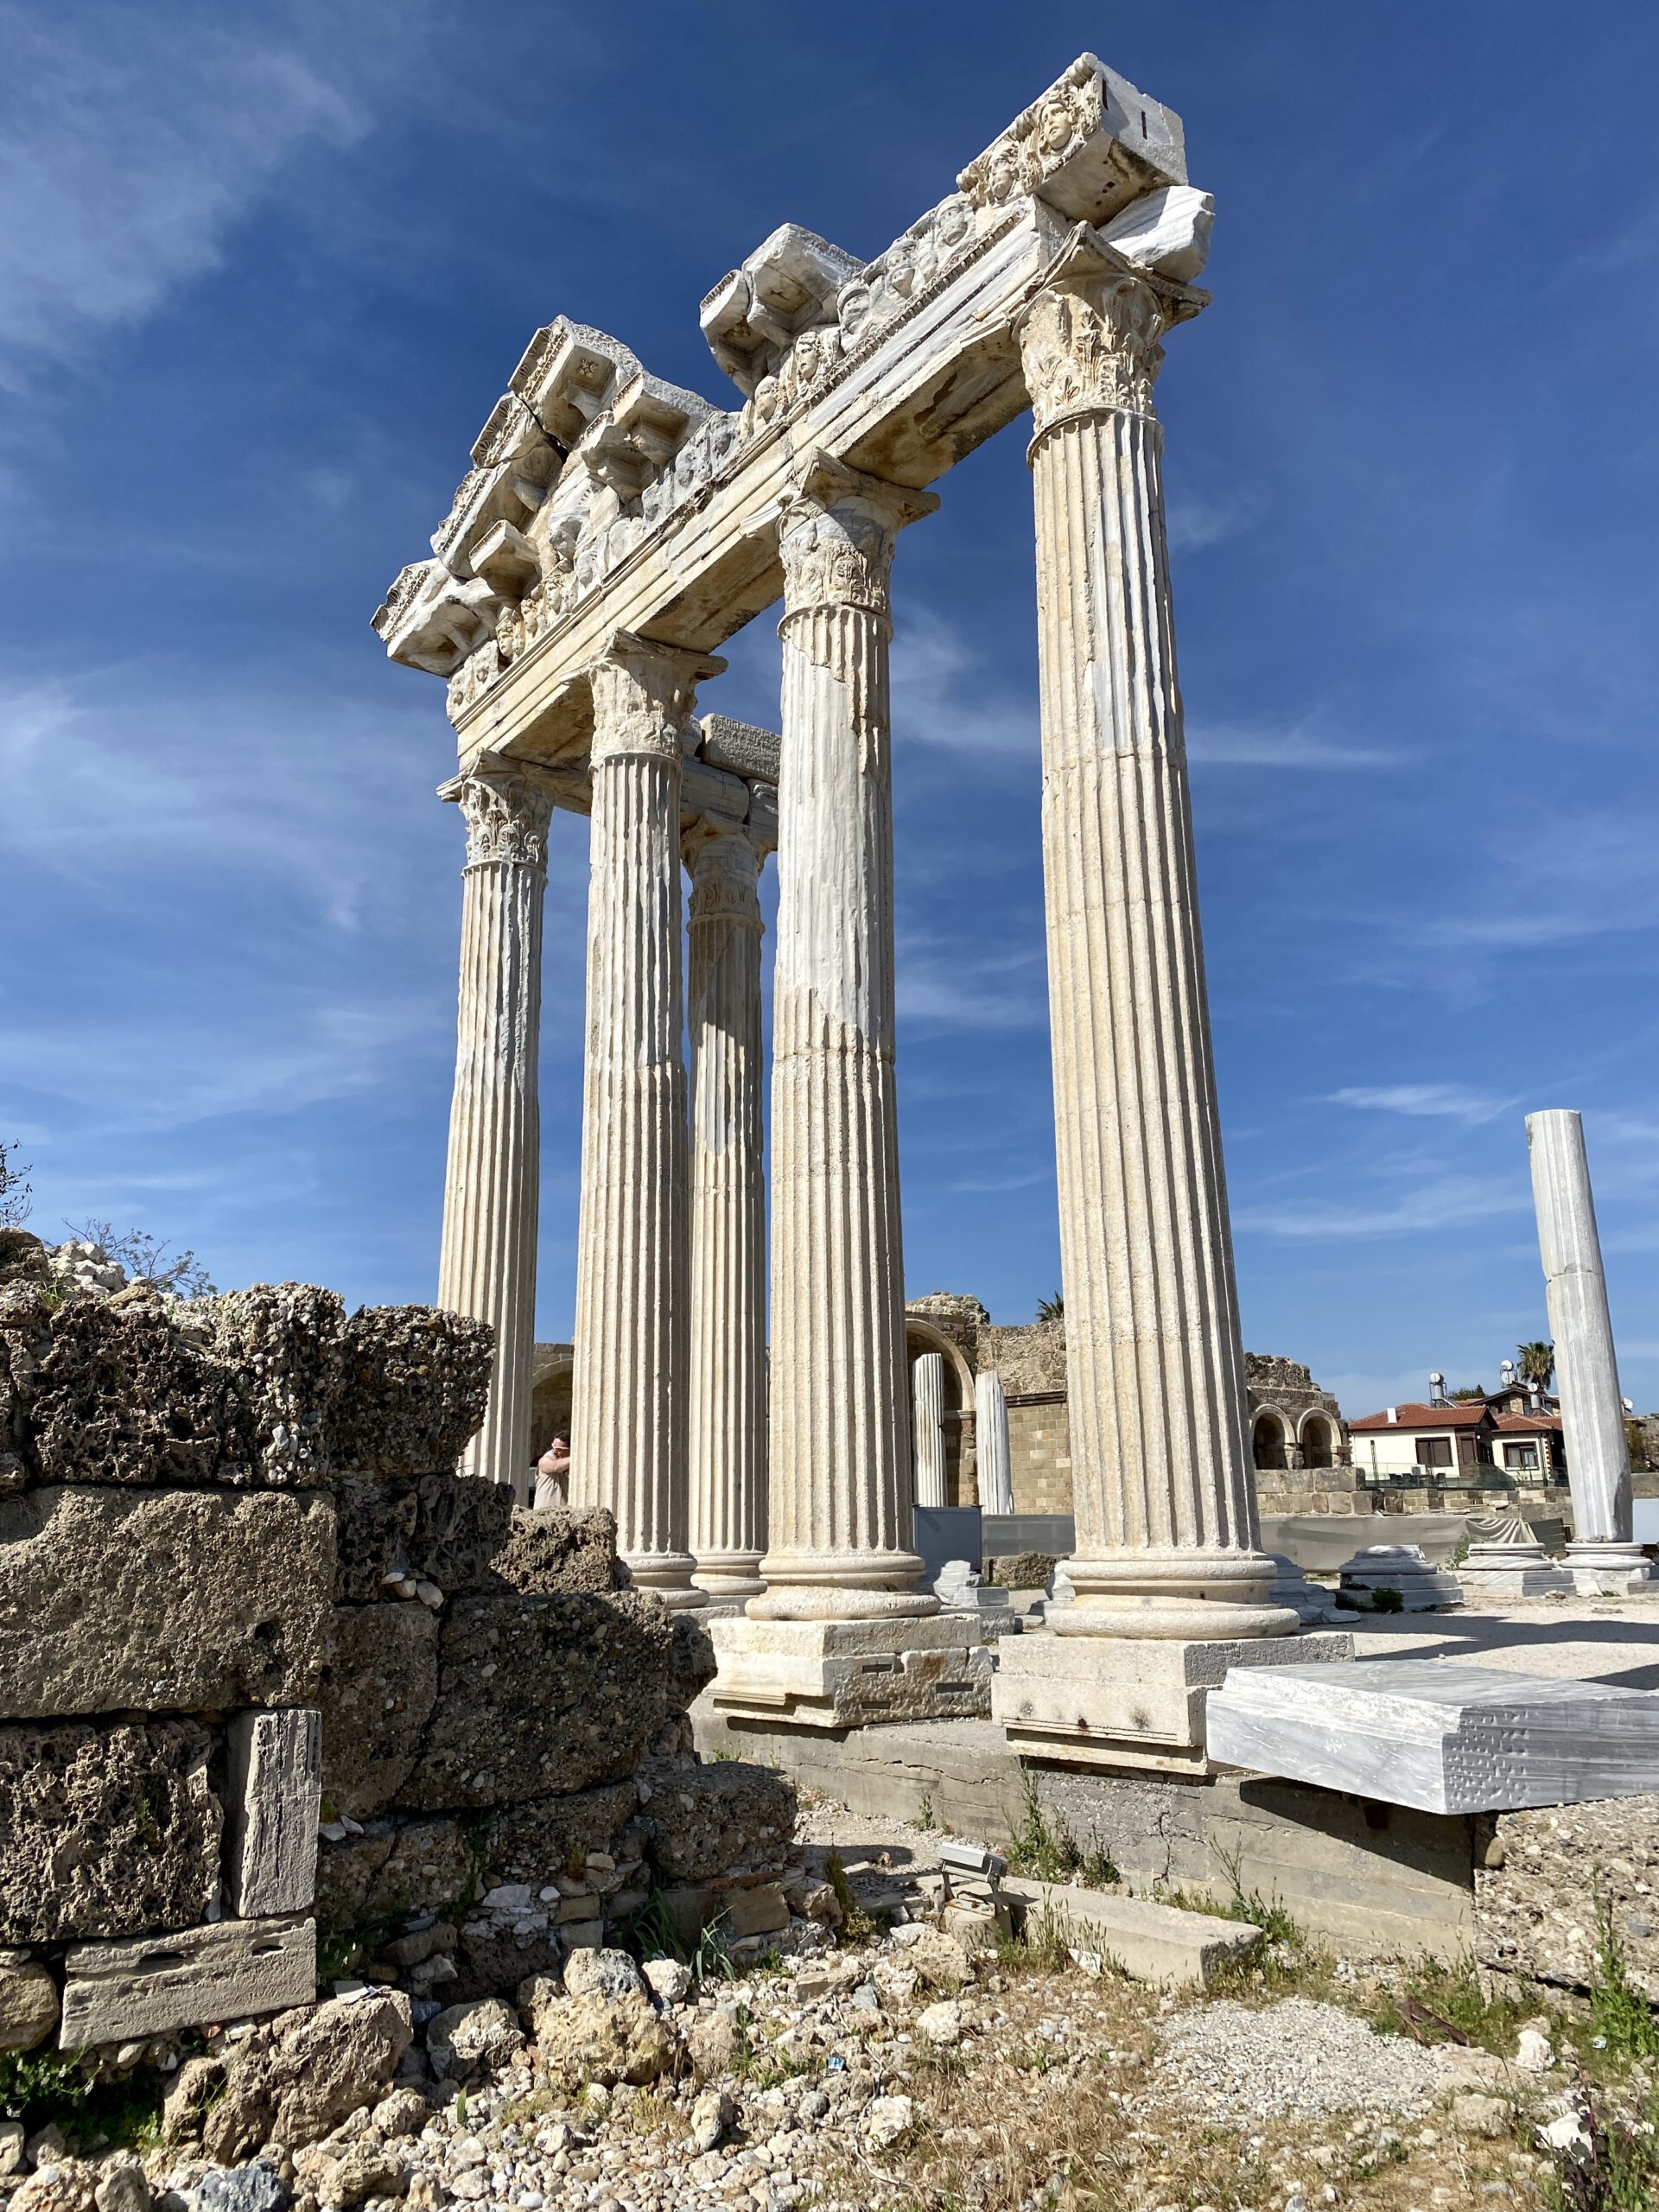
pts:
[282, 1339]
[101, 1392]
[708, 1819]
[1545, 1877]
[275, 1762]
[541, 1695]
[461, 1523]
[573, 1550]
[1147, 1941]
[29, 2003]
[533, 1843]
[114, 1991]
[344, 1870]
[105, 1830]
[841, 1674]
[374, 1534]
[415, 1381]
[377, 1697]
[97, 1613]
[693, 1661]
[431, 1868]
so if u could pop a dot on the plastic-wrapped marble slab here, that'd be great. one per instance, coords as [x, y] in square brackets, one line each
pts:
[1443, 1738]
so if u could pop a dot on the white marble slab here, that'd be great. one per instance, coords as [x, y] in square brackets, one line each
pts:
[1437, 1735]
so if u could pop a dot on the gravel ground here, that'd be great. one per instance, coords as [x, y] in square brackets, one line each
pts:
[1295, 2057]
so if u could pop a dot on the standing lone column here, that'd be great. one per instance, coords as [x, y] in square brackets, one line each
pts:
[927, 1415]
[1603, 1554]
[628, 1441]
[486, 1265]
[727, 1396]
[996, 1455]
[1167, 1530]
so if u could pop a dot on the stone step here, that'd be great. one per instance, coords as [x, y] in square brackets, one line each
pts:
[1161, 1943]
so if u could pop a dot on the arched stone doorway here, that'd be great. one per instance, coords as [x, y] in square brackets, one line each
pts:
[1318, 1441]
[1268, 1440]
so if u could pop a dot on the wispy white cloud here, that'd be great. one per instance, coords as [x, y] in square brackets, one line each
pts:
[1432, 1101]
[132, 142]
[946, 694]
[1237, 745]
[1447, 1202]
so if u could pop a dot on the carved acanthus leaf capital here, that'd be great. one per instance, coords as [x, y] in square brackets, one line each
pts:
[837, 534]
[644, 696]
[506, 809]
[1091, 341]
[725, 875]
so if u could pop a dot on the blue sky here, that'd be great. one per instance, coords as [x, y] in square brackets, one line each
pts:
[262, 273]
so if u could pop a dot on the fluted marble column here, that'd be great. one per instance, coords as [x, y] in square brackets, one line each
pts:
[927, 1420]
[486, 1265]
[1603, 1554]
[995, 1455]
[727, 1397]
[839, 1454]
[1167, 1531]
[628, 1441]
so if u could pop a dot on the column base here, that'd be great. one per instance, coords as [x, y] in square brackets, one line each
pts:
[1186, 1596]
[843, 1673]
[729, 1576]
[841, 1586]
[1610, 1569]
[1501, 1572]
[667, 1575]
[1122, 1702]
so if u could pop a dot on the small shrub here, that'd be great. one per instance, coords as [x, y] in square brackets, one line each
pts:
[1384, 1600]
[1047, 1852]
[1620, 2014]
[40, 2087]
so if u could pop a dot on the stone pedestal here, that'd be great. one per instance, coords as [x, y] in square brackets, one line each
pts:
[927, 1419]
[1405, 1569]
[1130, 1701]
[486, 1267]
[628, 1442]
[995, 1452]
[1505, 1561]
[728, 1402]
[828, 1673]
[1291, 1588]
[1602, 1556]
[1167, 1541]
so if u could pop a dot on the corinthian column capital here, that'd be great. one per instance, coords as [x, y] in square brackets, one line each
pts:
[1090, 338]
[725, 869]
[643, 694]
[506, 809]
[837, 534]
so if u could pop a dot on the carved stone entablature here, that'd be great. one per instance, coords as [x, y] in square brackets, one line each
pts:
[507, 809]
[1090, 145]
[754, 315]
[433, 621]
[739, 747]
[1090, 338]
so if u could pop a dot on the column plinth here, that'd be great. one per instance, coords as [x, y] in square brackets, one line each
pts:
[1167, 1539]
[841, 1635]
[486, 1267]
[628, 1441]
[727, 1390]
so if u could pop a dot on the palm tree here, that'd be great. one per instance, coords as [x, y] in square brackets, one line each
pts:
[1536, 1363]
[1051, 1309]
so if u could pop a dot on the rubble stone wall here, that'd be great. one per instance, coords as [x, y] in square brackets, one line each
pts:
[247, 1604]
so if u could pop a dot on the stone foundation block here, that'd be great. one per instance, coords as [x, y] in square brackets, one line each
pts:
[160, 1600]
[105, 1830]
[533, 1843]
[574, 1550]
[28, 2001]
[377, 1697]
[541, 1695]
[283, 1340]
[414, 1381]
[1441, 1737]
[116, 1992]
[276, 1782]
[1126, 1701]
[841, 1674]
[1545, 1877]
[708, 1819]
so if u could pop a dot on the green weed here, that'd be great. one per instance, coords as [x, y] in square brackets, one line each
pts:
[1047, 1851]
[1619, 2013]
[40, 2088]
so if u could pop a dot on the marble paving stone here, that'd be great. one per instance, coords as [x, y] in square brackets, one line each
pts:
[1438, 1736]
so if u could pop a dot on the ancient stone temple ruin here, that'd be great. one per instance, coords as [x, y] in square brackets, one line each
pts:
[613, 530]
